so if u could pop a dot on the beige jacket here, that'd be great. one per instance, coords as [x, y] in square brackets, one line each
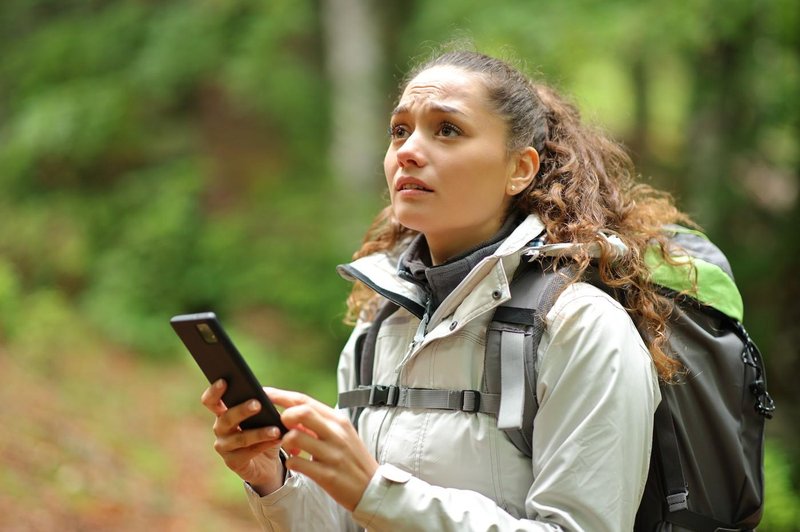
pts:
[445, 470]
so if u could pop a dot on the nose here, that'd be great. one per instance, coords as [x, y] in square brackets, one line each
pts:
[411, 152]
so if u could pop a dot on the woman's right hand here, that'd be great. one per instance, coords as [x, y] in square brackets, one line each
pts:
[252, 454]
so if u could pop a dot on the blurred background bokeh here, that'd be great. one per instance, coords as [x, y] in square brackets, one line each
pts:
[162, 157]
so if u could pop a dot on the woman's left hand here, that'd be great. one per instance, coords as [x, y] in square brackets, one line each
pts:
[339, 462]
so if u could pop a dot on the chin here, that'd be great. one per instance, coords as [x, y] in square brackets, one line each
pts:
[412, 221]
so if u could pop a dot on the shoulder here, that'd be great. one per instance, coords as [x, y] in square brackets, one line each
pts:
[583, 302]
[597, 392]
[582, 305]
[588, 329]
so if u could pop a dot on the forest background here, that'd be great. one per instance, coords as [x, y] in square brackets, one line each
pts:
[158, 158]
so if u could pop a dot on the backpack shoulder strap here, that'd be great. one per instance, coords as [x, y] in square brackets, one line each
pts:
[510, 365]
[364, 357]
[365, 351]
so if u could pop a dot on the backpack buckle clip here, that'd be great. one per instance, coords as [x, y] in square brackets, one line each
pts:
[678, 501]
[383, 395]
[470, 401]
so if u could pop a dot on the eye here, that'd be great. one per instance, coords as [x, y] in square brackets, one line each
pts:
[398, 131]
[446, 129]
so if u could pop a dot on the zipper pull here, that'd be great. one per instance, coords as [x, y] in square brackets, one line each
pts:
[423, 324]
[420, 334]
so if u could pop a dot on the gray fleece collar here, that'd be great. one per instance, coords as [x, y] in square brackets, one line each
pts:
[438, 281]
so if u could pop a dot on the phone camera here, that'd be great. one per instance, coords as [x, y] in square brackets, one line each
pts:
[207, 334]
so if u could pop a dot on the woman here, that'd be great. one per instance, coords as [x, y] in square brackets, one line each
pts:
[480, 163]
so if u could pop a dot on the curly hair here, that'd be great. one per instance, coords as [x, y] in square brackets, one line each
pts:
[585, 186]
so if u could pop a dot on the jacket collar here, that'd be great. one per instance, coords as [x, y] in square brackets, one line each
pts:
[440, 280]
[379, 271]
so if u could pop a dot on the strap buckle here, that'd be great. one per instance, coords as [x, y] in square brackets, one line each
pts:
[470, 401]
[381, 395]
[678, 501]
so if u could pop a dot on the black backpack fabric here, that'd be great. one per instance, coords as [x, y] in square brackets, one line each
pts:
[706, 470]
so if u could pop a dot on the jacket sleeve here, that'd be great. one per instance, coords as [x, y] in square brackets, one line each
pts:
[300, 505]
[597, 392]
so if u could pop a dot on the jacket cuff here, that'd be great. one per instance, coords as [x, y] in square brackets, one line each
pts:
[387, 479]
[258, 501]
[267, 506]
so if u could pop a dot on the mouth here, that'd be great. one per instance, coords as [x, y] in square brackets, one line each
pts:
[408, 183]
[412, 186]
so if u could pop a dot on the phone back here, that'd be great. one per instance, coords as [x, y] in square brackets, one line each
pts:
[218, 358]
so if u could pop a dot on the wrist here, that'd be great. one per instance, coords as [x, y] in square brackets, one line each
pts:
[276, 480]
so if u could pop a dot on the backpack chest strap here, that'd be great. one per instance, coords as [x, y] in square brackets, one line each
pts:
[403, 397]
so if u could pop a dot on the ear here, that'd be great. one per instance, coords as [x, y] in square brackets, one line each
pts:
[525, 166]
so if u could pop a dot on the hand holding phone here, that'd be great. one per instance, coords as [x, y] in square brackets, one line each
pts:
[218, 358]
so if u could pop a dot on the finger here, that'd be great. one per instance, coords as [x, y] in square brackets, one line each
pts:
[212, 397]
[296, 441]
[346, 486]
[306, 430]
[230, 420]
[287, 398]
[339, 440]
[321, 419]
[309, 467]
[250, 440]
[242, 459]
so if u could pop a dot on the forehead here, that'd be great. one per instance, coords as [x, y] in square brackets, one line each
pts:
[445, 83]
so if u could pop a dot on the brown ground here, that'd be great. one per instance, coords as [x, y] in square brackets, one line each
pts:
[109, 443]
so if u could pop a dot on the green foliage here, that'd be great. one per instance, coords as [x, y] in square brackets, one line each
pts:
[10, 299]
[106, 167]
[148, 230]
[782, 510]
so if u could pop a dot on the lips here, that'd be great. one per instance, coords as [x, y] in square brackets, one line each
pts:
[411, 183]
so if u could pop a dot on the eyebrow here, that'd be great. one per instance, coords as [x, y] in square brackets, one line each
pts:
[434, 106]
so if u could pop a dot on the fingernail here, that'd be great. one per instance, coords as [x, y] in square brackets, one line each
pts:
[218, 383]
[273, 432]
[254, 405]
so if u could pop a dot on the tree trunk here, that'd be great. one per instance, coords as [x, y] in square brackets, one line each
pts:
[354, 59]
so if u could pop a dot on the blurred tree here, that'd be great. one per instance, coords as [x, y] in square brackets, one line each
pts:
[354, 61]
[355, 56]
[155, 160]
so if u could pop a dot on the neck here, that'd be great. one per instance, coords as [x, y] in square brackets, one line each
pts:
[444, 248]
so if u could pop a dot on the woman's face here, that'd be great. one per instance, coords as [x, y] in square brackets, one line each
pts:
[447, 166]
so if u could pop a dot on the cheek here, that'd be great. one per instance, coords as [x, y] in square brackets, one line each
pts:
[487, 177]
[389, 167]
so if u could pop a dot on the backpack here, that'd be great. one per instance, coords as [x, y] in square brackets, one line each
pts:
[706, 466]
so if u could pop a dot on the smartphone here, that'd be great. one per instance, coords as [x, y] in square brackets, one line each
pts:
[218, 358]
